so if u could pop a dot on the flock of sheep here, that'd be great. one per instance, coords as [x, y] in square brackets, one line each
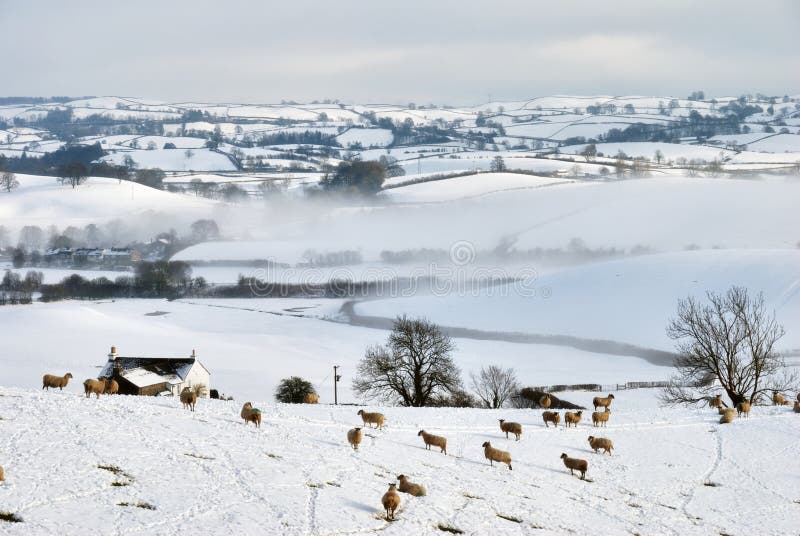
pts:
[391, 499]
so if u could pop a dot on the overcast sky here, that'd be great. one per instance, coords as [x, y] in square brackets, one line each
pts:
[430, 51]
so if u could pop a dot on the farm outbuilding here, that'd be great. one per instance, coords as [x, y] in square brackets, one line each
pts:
[152, 376]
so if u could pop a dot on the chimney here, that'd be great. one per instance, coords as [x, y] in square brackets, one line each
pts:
[113, 355]
[193, 354]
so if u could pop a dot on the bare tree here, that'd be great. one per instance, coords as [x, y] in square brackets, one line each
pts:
[727, 343]
[413, 368]
[8, 181]
[73, 174]
[494, 385]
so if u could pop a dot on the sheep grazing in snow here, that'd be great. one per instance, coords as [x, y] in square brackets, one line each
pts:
[743, 408]
[551, 417]
[409, 487]
[797, 407]
[50, 380]
[513, 427]
[112, 387]
[779, 400]
[600, 418]
[545, 401]
[572, 418]
[354, 437]
[188, 398]
[598, 443]
[727, 417]
[600, 402]
[251, 414]
[435, 440]
[727, 411]
[97, 387]
[574, 464]
[715, 402]
[390, 500]
[496, 455]
[310, 398]
[372, 418]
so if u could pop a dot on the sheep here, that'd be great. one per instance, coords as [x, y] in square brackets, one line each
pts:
[188, 398]
[435, 440]
[601, 417]
[797, 407]
[354, 437]
[726, 418]
[727, 411]
[2, 474]
[91, 385]
[715, 402]
[551, 417]
[545, 401]
[50, 380]
[310, 398]
[417, 490]
[572, 418]
[496, 455]
[743, 407]
[112, 387]
[391, 500]
[251, 414]
[372, 418]
[601, 443]
[574, 464]
[513, 427]
[602, 402]
[779, 400]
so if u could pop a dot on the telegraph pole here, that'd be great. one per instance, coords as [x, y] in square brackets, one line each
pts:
[336, 379]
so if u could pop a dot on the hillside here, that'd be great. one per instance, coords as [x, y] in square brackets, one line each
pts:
[43, 201]
[628, 300]
[72, 464]
[524, 212]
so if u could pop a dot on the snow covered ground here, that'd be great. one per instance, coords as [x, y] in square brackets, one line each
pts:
[42, 201]
[72, 463]
[268, 339]
[629, 300]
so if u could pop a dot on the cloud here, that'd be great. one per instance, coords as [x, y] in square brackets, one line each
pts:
[445, 51]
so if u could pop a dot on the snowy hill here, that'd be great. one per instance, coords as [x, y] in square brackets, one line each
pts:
[76, 466]
[662, 213]
[628, 300]
[44, 201]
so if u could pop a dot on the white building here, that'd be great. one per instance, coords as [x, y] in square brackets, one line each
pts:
[152, 376]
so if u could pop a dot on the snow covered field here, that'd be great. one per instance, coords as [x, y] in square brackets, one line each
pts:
[628, 300]
[673, 471]
[268, 339]
[43, 201]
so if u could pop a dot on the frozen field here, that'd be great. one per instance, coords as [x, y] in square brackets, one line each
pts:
[673, 471]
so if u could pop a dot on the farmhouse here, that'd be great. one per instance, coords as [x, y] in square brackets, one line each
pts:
[151, 376]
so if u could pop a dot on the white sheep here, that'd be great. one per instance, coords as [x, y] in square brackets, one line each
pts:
[51, 380]
[354, 437]
[496, 455]
[372, 418]
[436, 441]
[513, 427]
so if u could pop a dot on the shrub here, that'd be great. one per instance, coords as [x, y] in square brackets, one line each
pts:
[292, 390]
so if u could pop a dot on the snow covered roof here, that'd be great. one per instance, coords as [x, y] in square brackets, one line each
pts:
[145, 371]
